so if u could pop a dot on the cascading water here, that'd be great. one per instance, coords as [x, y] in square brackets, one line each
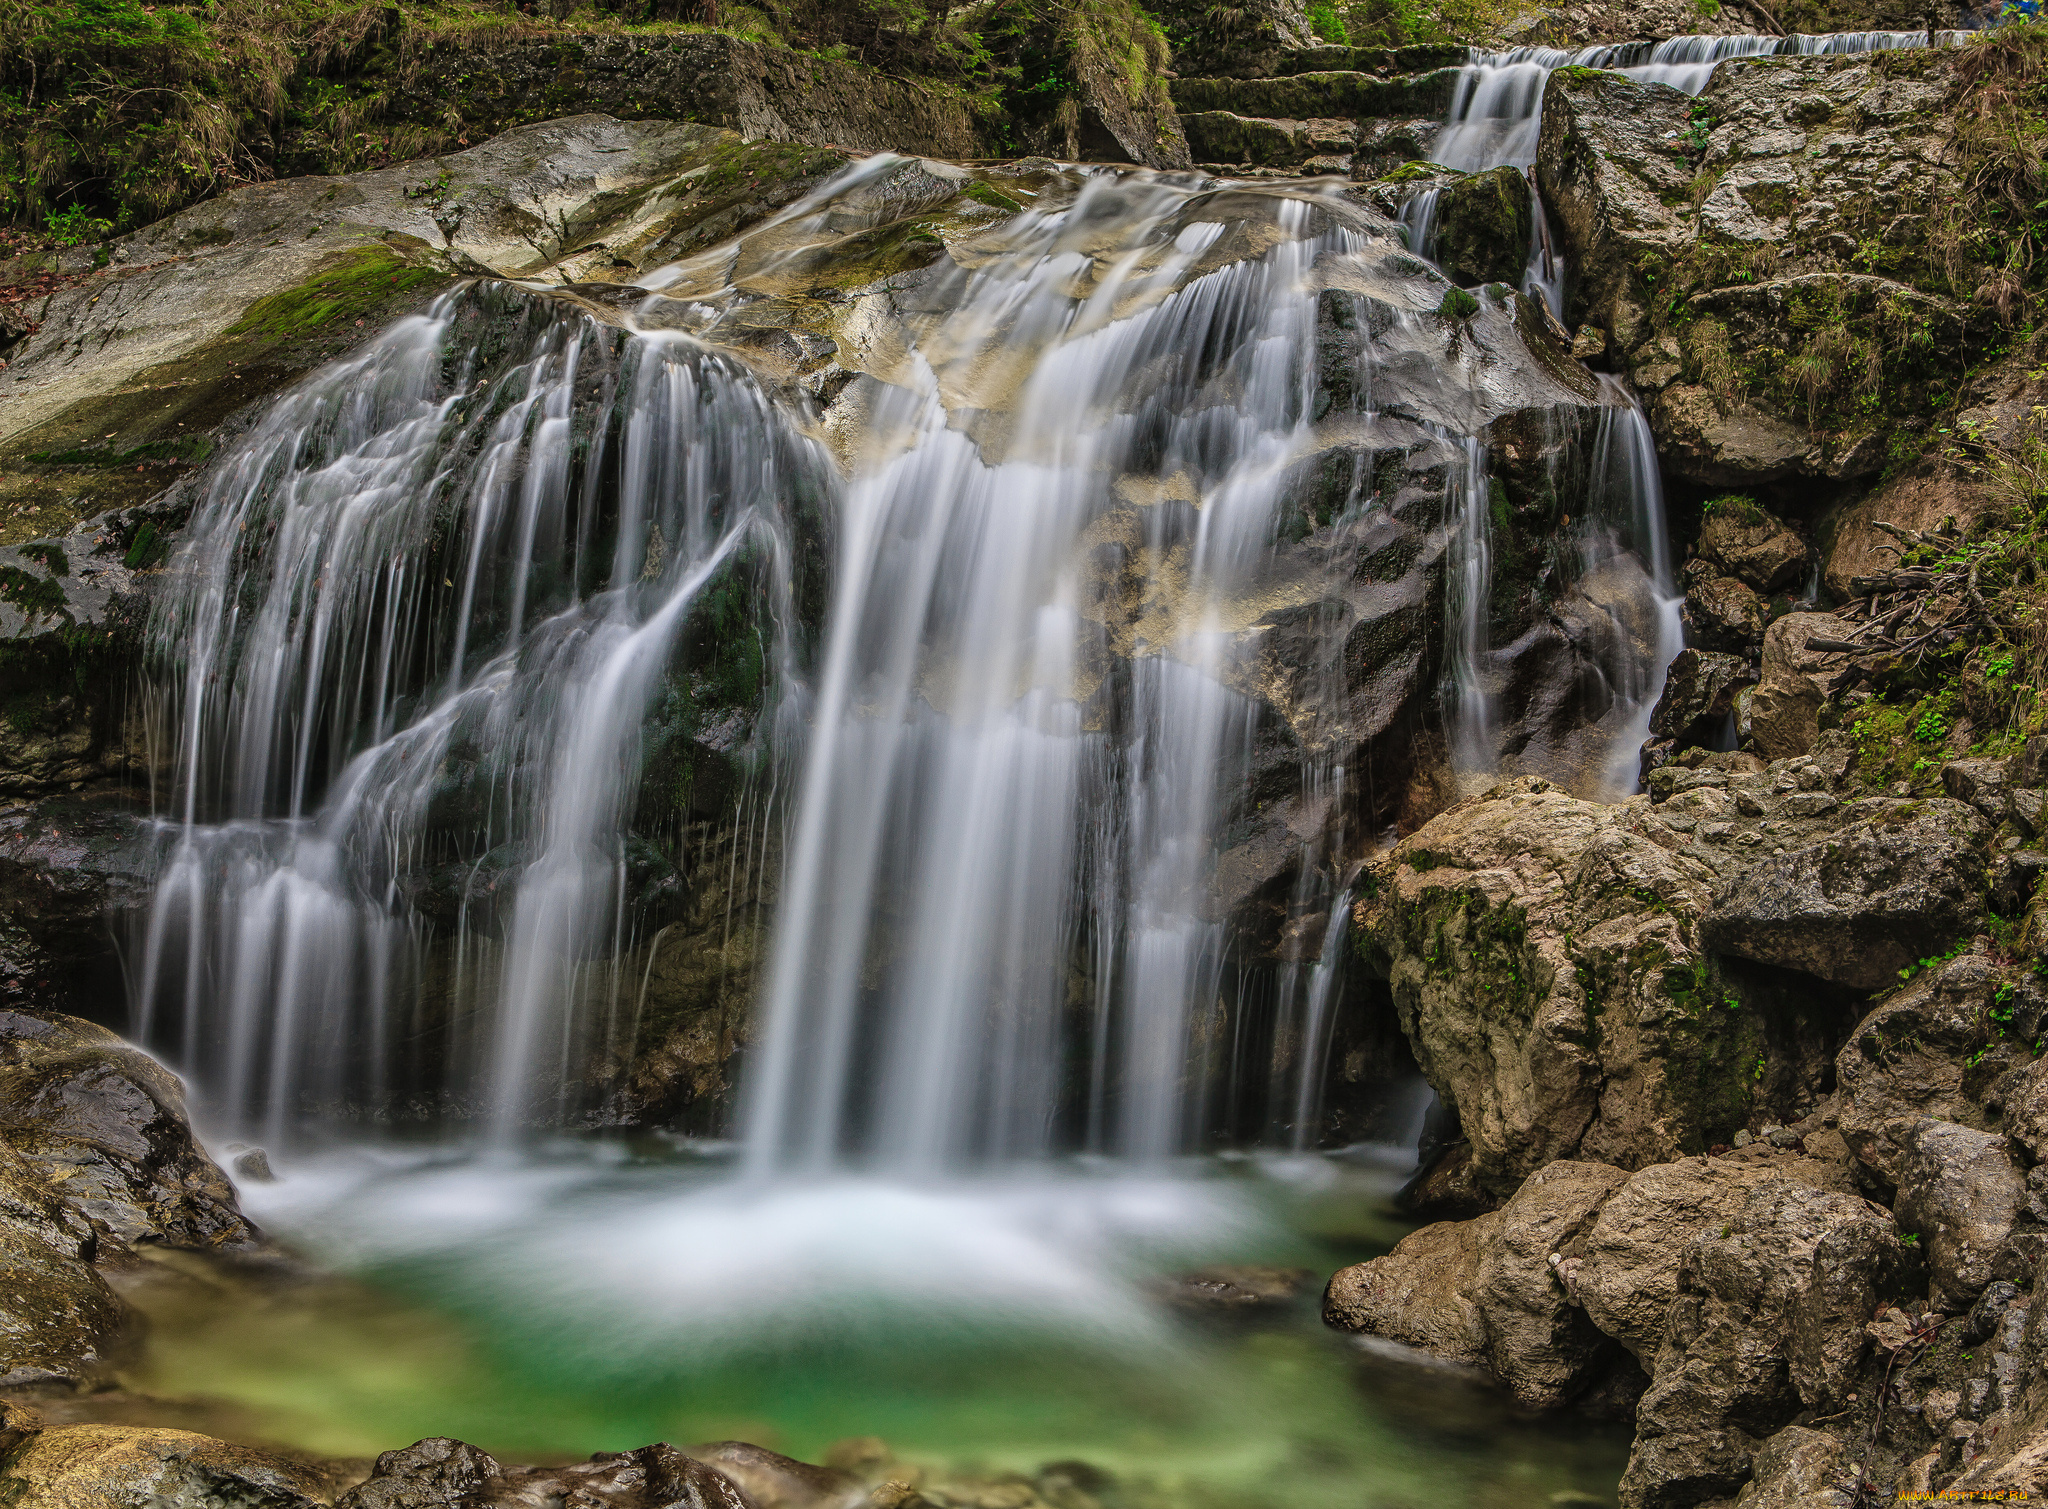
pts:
[413, 632]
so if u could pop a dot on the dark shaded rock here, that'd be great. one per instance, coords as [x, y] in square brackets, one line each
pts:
[438, 1473]
[1321, 96]
[1699, 695]
[1483, 227]
[1753, 546]
[66, 869]
[1721, 613]
[1899, 882]
[1249, 41]
[1217, 136]
[106, 1124]
[59, 1322]
[1381, 146]
[1987, 1315]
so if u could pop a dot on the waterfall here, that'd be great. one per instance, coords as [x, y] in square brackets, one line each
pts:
[1473, 752]
[984, 807]
[411, 638]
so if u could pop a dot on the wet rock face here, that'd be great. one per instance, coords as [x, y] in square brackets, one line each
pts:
[67, 869]
[1900, 881]
[438, 1473]
[1700, 688]
[105, 1125]
[59, 1322]
[127, 1467]
[1483, 227]
[1423, 1294]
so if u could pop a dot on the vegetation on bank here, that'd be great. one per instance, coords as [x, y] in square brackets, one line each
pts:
[115, 113]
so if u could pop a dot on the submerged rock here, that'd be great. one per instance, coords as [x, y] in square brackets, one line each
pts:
[59, 1322]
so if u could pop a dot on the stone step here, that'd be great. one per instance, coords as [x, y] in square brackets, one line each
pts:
[1380, 60]
[1218, 137]
[1321, 96]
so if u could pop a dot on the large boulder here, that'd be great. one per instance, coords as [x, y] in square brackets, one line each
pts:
[1541, 951]
[1797, 679]
[1482, 222]
[1540, 1343]
[1423, 1294]
[104, 1125]
[1961, 1190]
[1717, 241]
[1753, 545]
[1700, 688]
[1634, 1248]
[68, 871]
[438, 1473]
[1769, 1318]
[1898, 882]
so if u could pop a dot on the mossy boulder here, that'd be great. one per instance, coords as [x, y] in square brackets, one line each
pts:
[1483, 222]
[1544, 958]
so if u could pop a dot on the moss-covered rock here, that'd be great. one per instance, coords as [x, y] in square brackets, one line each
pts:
[1483, 222]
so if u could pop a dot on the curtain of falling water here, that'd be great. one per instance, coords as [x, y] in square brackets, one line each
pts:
[413, 630]
[988, 796]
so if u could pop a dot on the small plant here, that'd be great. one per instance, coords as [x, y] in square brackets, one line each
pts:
[76, 227]
[1694, 137]
[1910, 1238]
[1998, 667]
[1327, 24]
[1757, 1073]
[1932, 728]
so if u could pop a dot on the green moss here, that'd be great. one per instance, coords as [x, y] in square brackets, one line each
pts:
[36, 597]
[355, 286]
[1457, 304]
[50, 554]
[995, 199]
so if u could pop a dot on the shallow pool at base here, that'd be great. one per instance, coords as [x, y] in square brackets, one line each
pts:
[599, 1297]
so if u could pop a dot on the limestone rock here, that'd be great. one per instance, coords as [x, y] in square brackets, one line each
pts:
[774, 1481]
[1785, 712]
[1900, 881]
[1798, 1469]
[1921, 499]
[1423, 1293]
[1753, 546]
[1768, 1319]
[66, 869]
[1505, 926]
[1960, 1189]
[1907, 1061]
[104, 1124]
[424, 1475]
[1637, 1242]
[1984, 784]
[1218, 136]
[126, 1467]
[1539, 1343]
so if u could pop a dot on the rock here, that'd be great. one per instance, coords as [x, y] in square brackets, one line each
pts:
[1251, 41]
[774, 1481]
[1797, 1469]
[1422, 1294]
[1908, 1060]
[438, 1473]
[425, 1475]
[1786, 190]
[1720, 613]
[1961, 1191]
[229, 300]
[104, 1124]
[67, 869]
[1921, 499]
[1482, 227]
[1237, 1287]
[1699, 696]
[1984, 784]
[1637, 1241]
[125, 1467]
[59, 1322]
[1382, 146]
[1899, 881]
[1753, 546]
[1539, 1343]
[2026, 1111]
[1217, 136]
[1470, 918]
[1784, 713]
[1988, 1314]
[1768, 1319]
